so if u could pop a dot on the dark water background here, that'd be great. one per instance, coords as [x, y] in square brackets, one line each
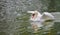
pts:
[14, 17]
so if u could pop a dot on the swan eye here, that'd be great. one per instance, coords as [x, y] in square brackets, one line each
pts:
[33, 14]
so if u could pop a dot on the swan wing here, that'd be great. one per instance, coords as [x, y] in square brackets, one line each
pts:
[47, 16]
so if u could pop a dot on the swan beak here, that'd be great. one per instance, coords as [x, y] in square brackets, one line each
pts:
[30, 12]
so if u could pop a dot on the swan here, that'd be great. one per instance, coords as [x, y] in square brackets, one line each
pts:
[39, 20]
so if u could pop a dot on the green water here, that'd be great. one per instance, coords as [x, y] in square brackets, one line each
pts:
[14, 19]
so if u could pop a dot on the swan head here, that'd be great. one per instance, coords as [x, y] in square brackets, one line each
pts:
[34, 12]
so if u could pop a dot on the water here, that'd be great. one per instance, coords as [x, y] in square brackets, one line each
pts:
[14, 16]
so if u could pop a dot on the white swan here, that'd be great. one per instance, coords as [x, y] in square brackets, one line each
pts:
[40, 20]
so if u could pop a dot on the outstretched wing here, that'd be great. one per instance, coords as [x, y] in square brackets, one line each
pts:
[47, 16]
